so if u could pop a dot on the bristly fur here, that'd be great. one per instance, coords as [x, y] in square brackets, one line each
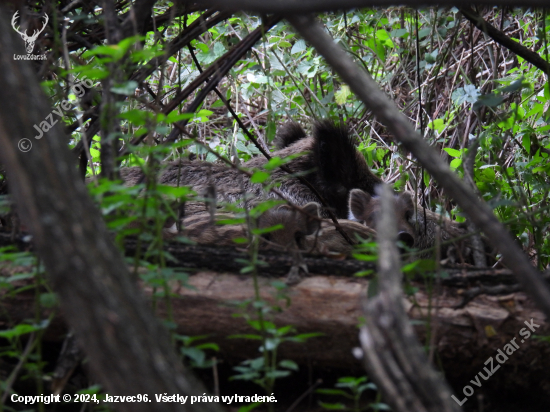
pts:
[288, 134]
[331, 164]
[341, 167]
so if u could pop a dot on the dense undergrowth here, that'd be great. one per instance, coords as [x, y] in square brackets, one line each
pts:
[464, 92]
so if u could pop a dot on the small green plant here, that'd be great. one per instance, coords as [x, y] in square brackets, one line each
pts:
[265, 369]
[352, 389]
[196, 354]
[22, 345]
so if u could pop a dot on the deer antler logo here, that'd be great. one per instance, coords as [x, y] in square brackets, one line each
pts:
[29, 40]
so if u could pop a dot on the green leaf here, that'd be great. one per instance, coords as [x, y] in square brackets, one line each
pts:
[173, 191]
[453, 152]
[489, 100]
[217, 103]
[431, 58]
[469, 93]
[288, 364]
[233, 221]
[273, 163]
[256, 324]
[455, 164]
[526, 142]
[514, 86]
[105, 50]
[257, 210]
[365, 258]
[94, 73]
[128, 42]
[174, 117]
[285, 330]
[298, 47]
[424, 32]
[350, 382]
[204, 113]
[22, 329]
[135, 116]
[259, 177]
[48, 300]
[399, 33]
[211, 346]
[437, 124]
[270, 132]
[342, 95]
[202, 47]
[277, 374]
[246, 336]
[302, 337]
[489, 175]
[195, 354]
[127, 88]
[419, 266]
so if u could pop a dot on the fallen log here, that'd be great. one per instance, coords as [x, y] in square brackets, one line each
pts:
[464, 329]
[274, 264]
[464, 338]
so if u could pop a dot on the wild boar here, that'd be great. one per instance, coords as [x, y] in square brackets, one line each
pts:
[365, 208]
[311, 235]
[330, 163]
[417, 226]
[296, 225]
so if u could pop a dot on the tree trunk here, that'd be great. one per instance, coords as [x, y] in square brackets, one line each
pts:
[127, 347]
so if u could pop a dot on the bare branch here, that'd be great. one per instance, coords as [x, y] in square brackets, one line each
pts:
[393, 357]
[505, 41]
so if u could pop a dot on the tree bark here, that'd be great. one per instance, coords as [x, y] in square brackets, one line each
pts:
[392, 355]
[127, 347]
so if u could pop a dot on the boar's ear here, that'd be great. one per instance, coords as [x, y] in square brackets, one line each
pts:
[312, 225]
[359, 202]
[284, 208]
[285, 211]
